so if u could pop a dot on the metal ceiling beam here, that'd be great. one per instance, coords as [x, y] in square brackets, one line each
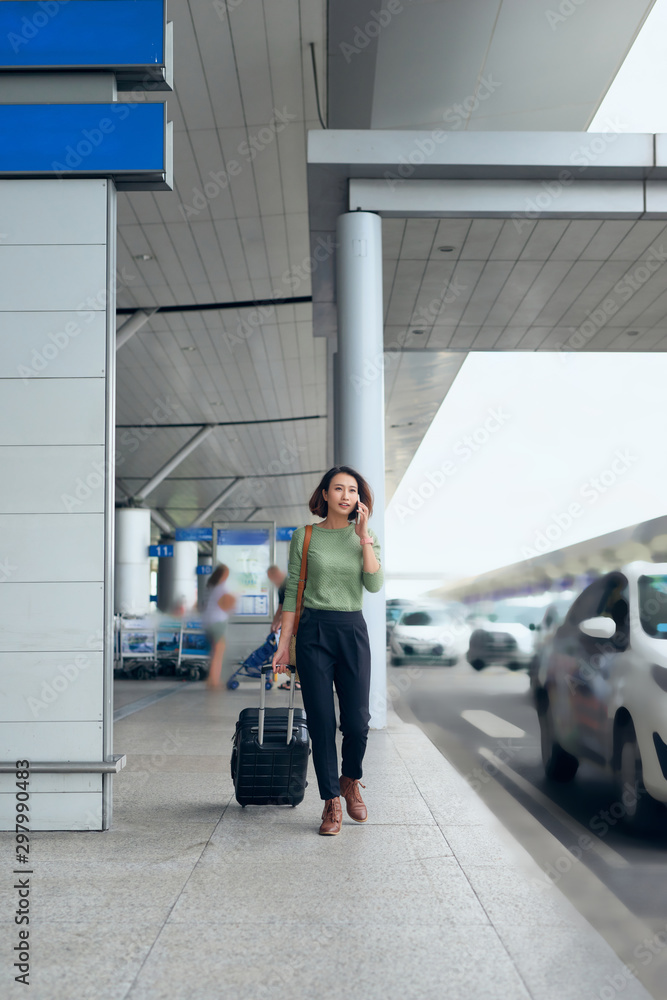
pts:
[132, 325]
[213, 506]
[237, 423]
[180, 455]
[204, 306]
[163, 524]
[523, 199]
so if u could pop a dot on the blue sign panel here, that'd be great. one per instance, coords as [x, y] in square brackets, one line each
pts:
[229, 536]
[284, 534]
[87, 34]
[82, 138]
[194, 534]
[161, 550]
[204, 570]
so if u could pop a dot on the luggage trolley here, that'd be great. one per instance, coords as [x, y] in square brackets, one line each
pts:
[168, 632]
[194, 651]
[137, 647]
[252, 665]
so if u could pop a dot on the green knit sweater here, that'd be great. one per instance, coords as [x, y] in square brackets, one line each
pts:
[335, 578]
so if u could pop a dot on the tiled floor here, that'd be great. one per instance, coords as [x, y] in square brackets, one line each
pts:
[189, 896]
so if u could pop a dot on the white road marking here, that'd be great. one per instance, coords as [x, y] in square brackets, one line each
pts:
[491, 724]
[603, 851]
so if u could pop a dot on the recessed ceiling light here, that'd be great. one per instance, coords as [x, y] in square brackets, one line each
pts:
[143, 256]
[632, 333]
[446, 249]
[188, 348]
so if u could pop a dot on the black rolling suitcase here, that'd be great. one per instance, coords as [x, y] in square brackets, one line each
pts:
[270, 754]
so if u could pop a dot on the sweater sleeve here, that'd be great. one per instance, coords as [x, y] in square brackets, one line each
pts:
[294, 568]
[373, 581]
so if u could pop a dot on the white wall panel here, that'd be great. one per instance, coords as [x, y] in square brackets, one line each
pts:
[51, 687]
[35, 480]
[55, 307]
[52, 344]
[53, 547]
[51, 411]
[55, 811]
[39, 616]
[53, 277]
[55, 783]
[77, 211]
[43, 741]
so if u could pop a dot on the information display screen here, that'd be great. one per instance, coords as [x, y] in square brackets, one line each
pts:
[248, 551]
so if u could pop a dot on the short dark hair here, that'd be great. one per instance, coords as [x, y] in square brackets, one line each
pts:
[318, 504]
[217, 575]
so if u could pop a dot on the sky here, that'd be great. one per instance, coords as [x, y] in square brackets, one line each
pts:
[533, 446]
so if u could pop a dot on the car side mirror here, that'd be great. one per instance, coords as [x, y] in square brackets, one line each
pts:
[599, 627]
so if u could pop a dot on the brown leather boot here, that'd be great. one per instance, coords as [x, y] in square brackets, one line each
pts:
[332, 818]
[349, 789]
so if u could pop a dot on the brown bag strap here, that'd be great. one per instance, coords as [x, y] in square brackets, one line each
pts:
[303, 575]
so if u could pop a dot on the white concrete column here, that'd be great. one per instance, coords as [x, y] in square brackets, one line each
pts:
[185, 574]
[132, 585]
[359, 394]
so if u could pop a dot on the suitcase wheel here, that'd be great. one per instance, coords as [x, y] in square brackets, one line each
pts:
[268, 685]
[232, 685]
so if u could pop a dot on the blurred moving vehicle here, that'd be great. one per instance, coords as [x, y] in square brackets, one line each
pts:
[395, 609]
[554, 616]
[429, 633]
[504, 636]
[601, 690]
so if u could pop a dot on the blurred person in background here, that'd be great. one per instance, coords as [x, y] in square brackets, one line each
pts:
[218, 608]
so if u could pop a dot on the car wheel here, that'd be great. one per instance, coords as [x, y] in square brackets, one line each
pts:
[396, 661]
[477, 664]
[559, 765]
[513, 665]
[641, 809]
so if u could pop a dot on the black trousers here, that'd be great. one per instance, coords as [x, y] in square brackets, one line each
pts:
[332, 649]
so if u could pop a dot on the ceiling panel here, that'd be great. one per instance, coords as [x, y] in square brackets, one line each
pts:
[236, 228]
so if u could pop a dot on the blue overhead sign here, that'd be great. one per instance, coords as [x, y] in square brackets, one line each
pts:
[194, 534]
[161, 550]
[234, 536]
[204, 570]
[284, 534]
[82, 139]
[85, 34]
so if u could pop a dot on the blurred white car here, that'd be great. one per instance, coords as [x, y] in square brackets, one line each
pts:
[554, 616]
[428, 634]
[602, 688]
[505, 636]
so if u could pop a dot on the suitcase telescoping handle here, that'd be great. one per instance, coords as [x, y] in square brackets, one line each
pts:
[267, 668]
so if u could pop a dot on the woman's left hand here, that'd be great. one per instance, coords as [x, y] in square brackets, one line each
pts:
[361, 526]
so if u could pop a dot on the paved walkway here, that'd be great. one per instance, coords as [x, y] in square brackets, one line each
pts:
[188, 896]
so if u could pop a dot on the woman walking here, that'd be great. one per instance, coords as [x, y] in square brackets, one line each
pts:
[218, 608]
[332, 646]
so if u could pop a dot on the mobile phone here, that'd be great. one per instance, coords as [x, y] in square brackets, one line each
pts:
[354, 514]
